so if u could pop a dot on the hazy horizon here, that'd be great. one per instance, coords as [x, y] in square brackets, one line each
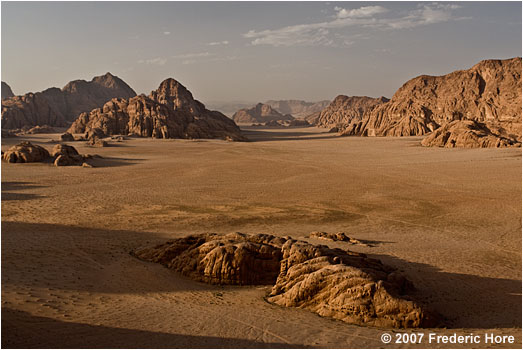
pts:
[253, 51]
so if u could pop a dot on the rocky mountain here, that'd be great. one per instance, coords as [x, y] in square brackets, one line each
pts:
[489, 94]
[297, 108]
[59, 107]
[344, 110]
[6, 91]
[261, 113]
[168, 112]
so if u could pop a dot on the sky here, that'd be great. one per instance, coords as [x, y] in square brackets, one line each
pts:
[252, 51]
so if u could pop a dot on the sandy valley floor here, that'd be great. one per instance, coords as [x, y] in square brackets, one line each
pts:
[449, 218]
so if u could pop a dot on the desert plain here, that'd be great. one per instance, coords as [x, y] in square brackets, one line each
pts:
[448, 219]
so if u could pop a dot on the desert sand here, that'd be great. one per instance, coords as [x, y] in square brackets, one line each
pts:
[449, 219]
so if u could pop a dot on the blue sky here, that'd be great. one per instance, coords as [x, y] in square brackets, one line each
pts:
[253, 51]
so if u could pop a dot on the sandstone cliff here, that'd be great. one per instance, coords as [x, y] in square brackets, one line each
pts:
[58, 107]
[6, 91]
[261, 113]
[344, 110]
[168, 112]
[297, 108]
[489, 93]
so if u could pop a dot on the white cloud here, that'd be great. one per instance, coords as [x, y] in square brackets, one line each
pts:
[365, 11]
[214, 43]
[159, 61]
[194, 55]
[324, 33]
[166, 33]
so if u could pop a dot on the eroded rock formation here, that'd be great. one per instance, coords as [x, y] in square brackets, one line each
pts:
[59, 107]
[488, 93]
[331, 282]
[261, 113]
[338, 236]
[344, 110]
[26, 152]
[61, 155]
[168, 112]
[469, 134]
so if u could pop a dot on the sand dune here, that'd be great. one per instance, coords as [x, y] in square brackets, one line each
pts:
[449, 219]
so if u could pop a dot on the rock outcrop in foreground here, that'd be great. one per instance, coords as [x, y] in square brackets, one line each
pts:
[488, 94]
[261, 113]
[331, 282]
[344, 110]
[168, 112]
[61, 155]
[59, 107]
[6, 91]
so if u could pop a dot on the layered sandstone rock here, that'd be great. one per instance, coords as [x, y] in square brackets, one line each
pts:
[344, 110]
[488, 93]
[468, 134]
[26, 152]
[261, 113]
[57, 107]
[338, 236]
[168, 112]
[61, 155]
[297, 108]
[331, 282]
[6, 91]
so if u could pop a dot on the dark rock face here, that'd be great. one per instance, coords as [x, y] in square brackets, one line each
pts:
[168, 112]
[488, 93]
[6, 91]
[261, 113]
[57, 107]
[331, 282]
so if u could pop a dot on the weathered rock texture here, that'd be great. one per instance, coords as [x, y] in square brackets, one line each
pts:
[6, 91]
[168, 112]
[488, 93]
[338, 236]
[26, 152]
[344, 110]
[57, 107]
[331, 282]
[261, 113]
[61, 155]
[469, 134]
[297, 108]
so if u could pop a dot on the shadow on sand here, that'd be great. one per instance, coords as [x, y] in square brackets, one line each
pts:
[465, 301]
[8, 186]
[278, 135]
[23, 330]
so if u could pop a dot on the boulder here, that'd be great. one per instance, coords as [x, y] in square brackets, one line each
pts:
[67, 137]
[331, 282]
[26, 152]
[62, 149]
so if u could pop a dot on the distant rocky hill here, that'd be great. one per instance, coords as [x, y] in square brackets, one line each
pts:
[168, 112]
[297, 108]
[6, 91]
[344, 110]
[261, 113]
[59, 107]
[489, 94]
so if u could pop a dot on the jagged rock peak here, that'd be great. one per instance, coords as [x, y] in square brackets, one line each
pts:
[176, 96]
